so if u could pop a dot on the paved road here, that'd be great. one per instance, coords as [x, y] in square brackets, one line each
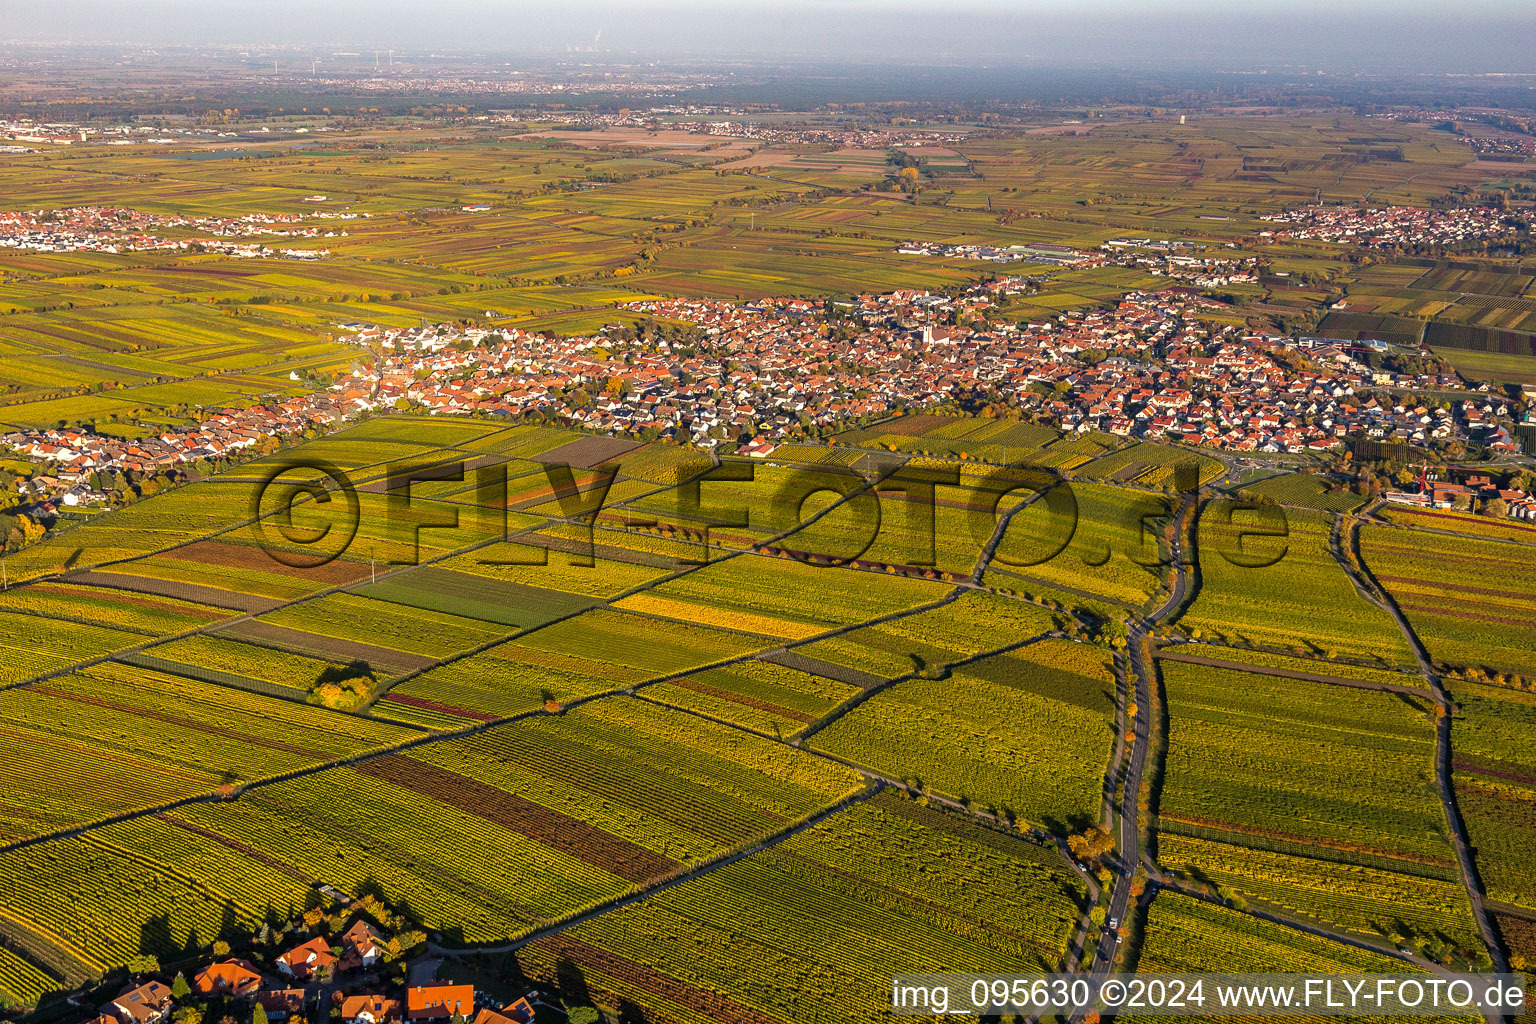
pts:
[1128, 839]
[1125, 825]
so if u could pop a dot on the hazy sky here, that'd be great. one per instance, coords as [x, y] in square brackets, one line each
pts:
[1403, 35]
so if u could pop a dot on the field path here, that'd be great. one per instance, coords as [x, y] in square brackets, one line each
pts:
[1317, 929]
[810, 821]
[1311, 677]
[1444, 715]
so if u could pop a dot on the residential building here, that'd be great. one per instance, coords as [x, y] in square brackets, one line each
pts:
[301, 962]
[439, 1002]
[370, 1009]
[141, 1004]
[234, 978]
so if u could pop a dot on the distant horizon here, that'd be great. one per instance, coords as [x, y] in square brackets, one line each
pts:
[1485, 37]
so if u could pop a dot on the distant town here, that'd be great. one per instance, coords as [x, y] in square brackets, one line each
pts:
[114, 230]
[1160, 366]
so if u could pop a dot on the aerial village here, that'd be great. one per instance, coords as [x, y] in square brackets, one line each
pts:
[756, 375]
[763, 373]
[353, 972]
[1159, 257]
[1389, 226]
[114, 230]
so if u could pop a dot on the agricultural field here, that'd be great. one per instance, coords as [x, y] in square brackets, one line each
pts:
[120, 737]
[1272, 580]
[653, 791]
[1186, 935]
[1027, 732]
[1495, 778]
[685, 715]
[798, 930]
[1302, 490]
[1301, 763]
[1469, 600]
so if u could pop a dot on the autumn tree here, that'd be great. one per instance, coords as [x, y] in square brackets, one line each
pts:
[1092, 844]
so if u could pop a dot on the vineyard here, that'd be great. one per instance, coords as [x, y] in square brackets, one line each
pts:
[603, 579]
[758, 695]
[113, 609]
[411, 630]
[797, 931]
[1302, 490]
[514, 605]
[33, 645]
[821, 597]
[651, 646]
[1272, 757]
[1273, 581]
[1104, 540]
[196, 654]
[1469, 600]
[576, 808]
[1495, 776]
[930, 640]
[1459, 522]
[1025, 733]
[1186, 935]
[1372, 901]
[509, 679]
[121, 738]
[1271, 663]
[1153, 466]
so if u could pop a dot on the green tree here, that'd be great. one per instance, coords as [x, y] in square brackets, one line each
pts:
[179, 988]
[148, 963]
[1114, 633]
[583, 1015]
